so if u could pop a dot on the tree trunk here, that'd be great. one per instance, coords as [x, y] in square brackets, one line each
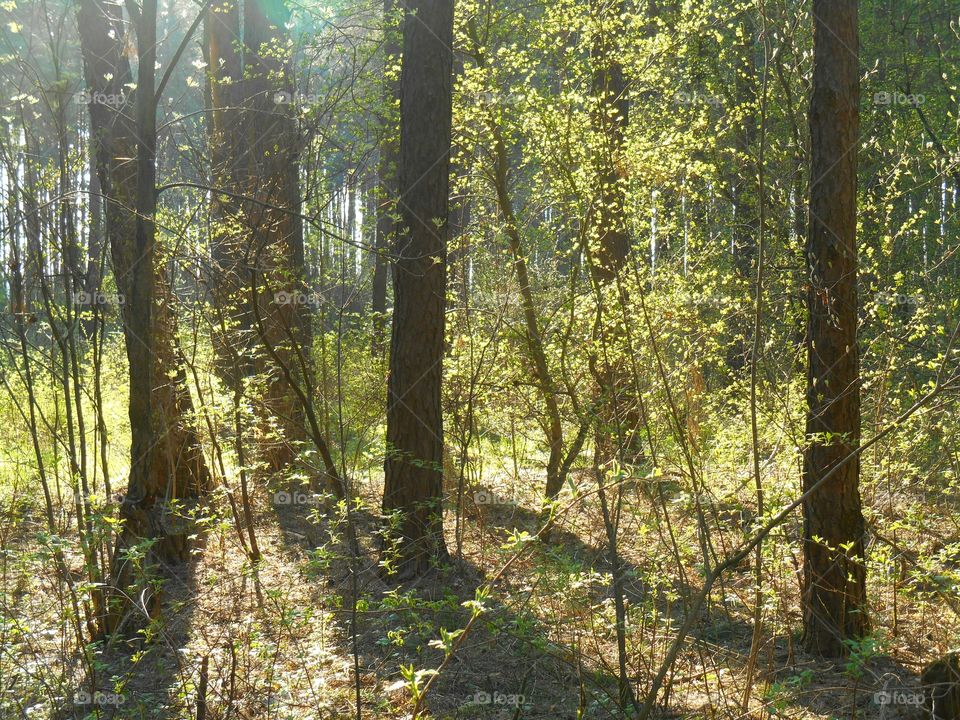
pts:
[608, 248]
[611, 247]
[553, 423]
[387, 176]
[742, 193]
[93, 274]
[274, 216]
[834, 591]
[413, 484]
[228, 237]
[167, 462]
[257, 240]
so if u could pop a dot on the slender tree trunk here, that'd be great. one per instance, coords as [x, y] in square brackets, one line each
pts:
[553, 423]
[460, 249]
[387, 176]
[353, 271]
[617, 419]
[17, 300]
[33, 250]
[741, 185]
[93, 274]
[834, 588]
[368, 236]
[413, 485]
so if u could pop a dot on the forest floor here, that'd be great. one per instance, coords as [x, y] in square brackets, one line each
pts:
[279, 642]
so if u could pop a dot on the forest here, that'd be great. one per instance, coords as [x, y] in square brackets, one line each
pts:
[508, 359]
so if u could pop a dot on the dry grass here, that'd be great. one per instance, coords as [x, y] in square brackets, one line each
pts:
[279, 640]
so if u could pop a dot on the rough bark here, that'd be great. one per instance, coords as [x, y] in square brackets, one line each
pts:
[275, 220]
[167, 462]
[834, 592]
[257, 241]
[234, 341]
[608, 250]
[413, 484]
[611, 246]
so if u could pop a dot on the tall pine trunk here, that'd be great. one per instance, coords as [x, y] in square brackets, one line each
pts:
[834, 587]
[413, 485]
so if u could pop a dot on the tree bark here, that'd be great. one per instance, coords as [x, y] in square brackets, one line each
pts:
[228, 238]
[257, 241]
[413, 484]
[834, 588]
[275, 220]
[387, 177]
[608, 247]
[167, 462]
[742, 194]
[611, 247]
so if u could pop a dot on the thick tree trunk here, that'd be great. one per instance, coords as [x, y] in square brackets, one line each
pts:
[228, 236]
[257, 240]
[274, 217]
[834, 592]
[609, 248]
[413, 485]
[167, 462]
